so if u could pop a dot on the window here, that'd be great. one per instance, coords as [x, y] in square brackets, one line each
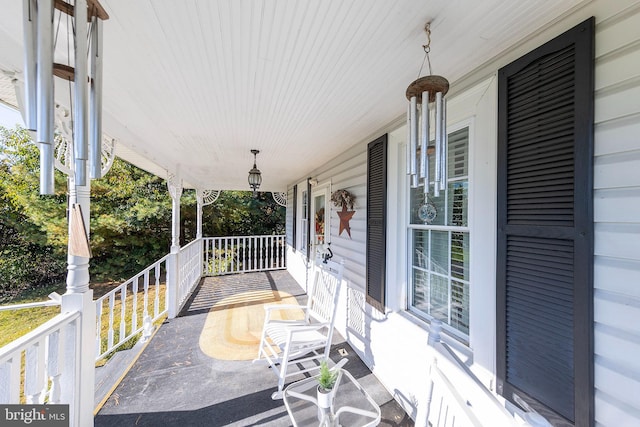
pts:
[439, 243]
[319, 219]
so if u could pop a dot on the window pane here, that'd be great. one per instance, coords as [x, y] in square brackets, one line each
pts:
[440, 252]
[458, 153]
[421, 248]
[460, 255]
[318, 219]
[434, 214]
[439, 298]
[460, 306]
[421, 290]
[457, 203]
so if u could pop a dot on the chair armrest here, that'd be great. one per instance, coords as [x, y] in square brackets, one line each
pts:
[271, 307]
[306, 328]
[293, 330]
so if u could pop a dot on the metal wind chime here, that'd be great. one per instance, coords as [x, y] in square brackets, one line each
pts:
[86, 75]
[421, 117]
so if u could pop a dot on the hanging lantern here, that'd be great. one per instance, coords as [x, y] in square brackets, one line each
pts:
[255, 176]
[421, 94]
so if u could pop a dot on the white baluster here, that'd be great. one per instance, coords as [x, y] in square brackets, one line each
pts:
[112, 304]
[53, 367]
[10, 380]
[99, 327]
[134, 314]
[34, 372]
[156, 300]
[123, 314]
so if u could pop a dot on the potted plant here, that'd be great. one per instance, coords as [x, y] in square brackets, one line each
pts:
[326, 380]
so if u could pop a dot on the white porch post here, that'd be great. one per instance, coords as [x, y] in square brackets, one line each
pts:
[174, 185]
[79, 297]
[204, 198]
[200, 200]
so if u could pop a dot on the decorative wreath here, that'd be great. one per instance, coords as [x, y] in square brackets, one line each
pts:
[341, 198]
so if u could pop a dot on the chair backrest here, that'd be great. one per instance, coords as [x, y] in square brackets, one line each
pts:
[324, 292]
[445, 406]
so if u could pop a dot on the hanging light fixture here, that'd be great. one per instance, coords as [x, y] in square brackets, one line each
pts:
[421, 117]
[255, 176]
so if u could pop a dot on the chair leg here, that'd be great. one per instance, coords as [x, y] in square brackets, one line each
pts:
[282, 372]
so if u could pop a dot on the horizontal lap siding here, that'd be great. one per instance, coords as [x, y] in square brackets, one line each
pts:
[349, 172]
[617, 219]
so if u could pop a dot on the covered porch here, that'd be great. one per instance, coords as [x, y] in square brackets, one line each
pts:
[532, 283]
[175, 382]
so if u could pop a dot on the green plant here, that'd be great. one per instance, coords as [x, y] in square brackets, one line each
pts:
[327, 378]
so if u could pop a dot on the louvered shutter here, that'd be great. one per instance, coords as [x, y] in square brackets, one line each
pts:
[376, 221]
[294, 220]
[545, 227]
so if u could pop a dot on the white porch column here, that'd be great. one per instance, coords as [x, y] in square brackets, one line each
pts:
[204, 198]
[200, 200]
[174, 185]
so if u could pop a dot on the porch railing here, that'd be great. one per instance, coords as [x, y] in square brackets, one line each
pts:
[50, 355]
[131, 308]
[242, 254]
[190, 270]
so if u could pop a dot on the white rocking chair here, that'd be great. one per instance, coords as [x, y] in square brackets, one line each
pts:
[287, 342]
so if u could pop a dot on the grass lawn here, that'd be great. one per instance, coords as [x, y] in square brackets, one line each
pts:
[15, 324]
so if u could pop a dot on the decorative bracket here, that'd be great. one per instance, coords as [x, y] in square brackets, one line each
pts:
[207, 197]
[174, 185]
[280, 198]
[64, 147]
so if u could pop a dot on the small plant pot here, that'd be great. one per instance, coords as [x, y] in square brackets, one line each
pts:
[325, 398]
[325, 402]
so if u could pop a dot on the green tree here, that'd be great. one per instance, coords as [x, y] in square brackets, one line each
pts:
[32, 227]
[130, 219]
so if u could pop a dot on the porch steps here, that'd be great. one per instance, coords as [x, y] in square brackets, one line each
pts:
[109, 375]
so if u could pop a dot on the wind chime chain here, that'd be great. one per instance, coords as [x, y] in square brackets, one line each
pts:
[426, 56]
[427, 49]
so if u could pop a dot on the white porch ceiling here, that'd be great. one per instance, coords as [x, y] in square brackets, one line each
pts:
[192, 86]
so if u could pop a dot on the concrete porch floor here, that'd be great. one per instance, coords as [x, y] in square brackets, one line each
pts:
[173, 383]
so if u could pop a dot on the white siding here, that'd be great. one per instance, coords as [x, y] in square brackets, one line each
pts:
[617, 219]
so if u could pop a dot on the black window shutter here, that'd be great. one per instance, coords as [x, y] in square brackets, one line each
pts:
[308, 242]
[294, 220]
[545, 228]
[376, 221]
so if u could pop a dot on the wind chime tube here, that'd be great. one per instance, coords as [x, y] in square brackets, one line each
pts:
[414, 131]
[424, 136]
[443, 160]
[95, 100]
[30, 106]
[80, 144]
[44, 96]
[46, 169]
[408, 139]
[438, 142]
